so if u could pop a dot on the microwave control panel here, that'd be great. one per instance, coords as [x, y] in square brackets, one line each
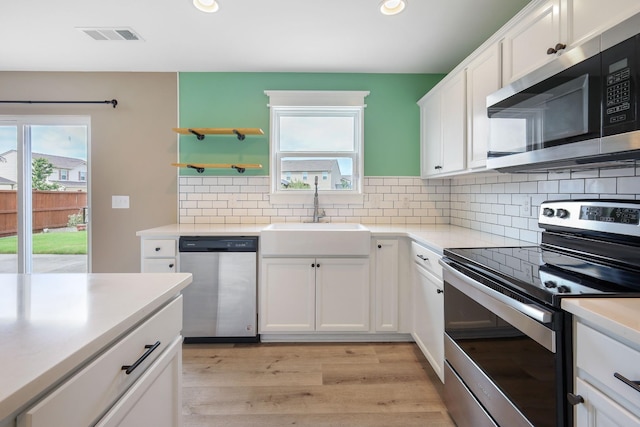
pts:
[619, 71]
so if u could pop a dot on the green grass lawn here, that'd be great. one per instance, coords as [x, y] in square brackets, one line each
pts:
[67, 243]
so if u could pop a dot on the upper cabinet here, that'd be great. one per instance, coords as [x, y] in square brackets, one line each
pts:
[453, 116]
[556, 26]
[443, 132]
[483, 78]
[533, 42]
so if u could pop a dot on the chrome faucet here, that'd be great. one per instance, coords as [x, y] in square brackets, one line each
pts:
[316, 213]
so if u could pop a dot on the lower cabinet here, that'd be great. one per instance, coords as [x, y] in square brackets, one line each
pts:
[314, 294]
[428, 320]
[135, 382]
[606, 391]
[428, 306]
[159, 255]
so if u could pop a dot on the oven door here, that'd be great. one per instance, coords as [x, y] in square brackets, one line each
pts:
[504, 352]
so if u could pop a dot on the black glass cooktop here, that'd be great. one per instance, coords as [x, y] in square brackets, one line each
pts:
[547, 275]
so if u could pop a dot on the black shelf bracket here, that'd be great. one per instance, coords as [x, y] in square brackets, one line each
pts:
[198, 135]
[240, 136]
[197, 168]
[240, 170]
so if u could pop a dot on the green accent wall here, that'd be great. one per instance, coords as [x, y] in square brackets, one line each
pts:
[229, 100]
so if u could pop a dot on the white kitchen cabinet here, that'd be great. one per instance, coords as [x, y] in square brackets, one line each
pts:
[159, 255]
[483, 78]
[151, 352]
[534, 40]
[314, 294]
[428, 309]
[386, 285]
[525, 45]
[443, 127]
[601, 360]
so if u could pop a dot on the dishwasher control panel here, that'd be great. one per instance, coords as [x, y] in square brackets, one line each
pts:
[218, 244]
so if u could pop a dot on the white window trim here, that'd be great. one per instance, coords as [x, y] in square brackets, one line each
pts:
[280, 100]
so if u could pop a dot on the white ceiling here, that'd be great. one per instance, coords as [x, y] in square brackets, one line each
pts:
[430, 36]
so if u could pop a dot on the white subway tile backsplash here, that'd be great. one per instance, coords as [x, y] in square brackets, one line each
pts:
[489, 202]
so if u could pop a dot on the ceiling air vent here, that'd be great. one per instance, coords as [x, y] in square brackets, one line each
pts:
[118, 33]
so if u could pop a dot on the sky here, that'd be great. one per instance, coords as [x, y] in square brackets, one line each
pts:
[67, 141]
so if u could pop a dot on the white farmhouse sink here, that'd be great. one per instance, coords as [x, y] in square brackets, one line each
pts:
[315, 239]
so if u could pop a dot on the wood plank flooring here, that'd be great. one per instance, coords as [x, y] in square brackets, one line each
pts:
[311, 384]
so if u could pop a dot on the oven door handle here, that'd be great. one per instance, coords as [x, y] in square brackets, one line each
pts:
[526, 317]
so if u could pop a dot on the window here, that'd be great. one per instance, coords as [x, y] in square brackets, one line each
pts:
[316, 134]
[82, 176]
[64, 175]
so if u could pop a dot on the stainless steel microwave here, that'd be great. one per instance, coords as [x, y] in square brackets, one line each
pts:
[578, 111]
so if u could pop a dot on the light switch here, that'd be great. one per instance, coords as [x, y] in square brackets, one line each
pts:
[120, 202]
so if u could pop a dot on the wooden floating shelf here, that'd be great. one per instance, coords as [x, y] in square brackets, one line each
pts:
[200, 167]
[201, 132]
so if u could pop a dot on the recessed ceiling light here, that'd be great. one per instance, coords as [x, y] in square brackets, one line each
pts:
[392, 7]
[209, 6]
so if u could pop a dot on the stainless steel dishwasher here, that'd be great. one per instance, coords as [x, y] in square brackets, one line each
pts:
[220, 304]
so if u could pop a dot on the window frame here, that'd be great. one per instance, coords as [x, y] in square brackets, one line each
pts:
[317, 104]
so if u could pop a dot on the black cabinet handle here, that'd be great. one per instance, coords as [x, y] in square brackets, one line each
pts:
[150, 348]
[439, 291]
[170, 265]
[575, 399]
[558, 47]
[422, 257]
[379, 246]
[313, 266]
[158, 249]
[633, 384]
[318, 265]
[438, 167]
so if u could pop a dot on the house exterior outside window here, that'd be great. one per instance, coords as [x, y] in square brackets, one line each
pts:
[317, 133]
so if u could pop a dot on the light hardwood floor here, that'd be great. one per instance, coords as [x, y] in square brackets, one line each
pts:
[361, 384]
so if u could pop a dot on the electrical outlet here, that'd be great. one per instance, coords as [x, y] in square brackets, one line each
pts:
[525, 206]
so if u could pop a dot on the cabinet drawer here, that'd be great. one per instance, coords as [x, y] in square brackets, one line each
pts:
[602, 356]
[158, 248]
[88, 394]
[159, 265]
[426, 258]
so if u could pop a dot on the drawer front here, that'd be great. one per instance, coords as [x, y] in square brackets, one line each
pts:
[158, 248]
[88, 394]
[602, 356]
[426, 258]
[159, 265]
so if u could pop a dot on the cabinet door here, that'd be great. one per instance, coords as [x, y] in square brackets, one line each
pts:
[430, 136]
[287, 294]
[525, 45]
[156, 398]
[588, 18]
[600, 410]
[386, 285]
[483, 78]
[453, 118]
[428, 320]
[342, 294]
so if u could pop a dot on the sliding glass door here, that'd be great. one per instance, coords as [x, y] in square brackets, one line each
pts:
[44, 199]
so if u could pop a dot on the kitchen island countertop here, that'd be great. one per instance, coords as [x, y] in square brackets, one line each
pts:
[436, 237]
[51, 324]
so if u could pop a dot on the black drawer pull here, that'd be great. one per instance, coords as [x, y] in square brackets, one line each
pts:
[150, 348]
[171, 265]
[633, 384]
[575, 399]
[439, 291]
[422, 257]
[158, 249]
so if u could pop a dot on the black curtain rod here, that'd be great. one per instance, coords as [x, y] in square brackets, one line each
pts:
[112, 102]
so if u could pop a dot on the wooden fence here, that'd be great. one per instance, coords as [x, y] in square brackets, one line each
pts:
[51, 209]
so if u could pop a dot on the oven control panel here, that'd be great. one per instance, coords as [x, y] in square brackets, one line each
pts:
[607, 216]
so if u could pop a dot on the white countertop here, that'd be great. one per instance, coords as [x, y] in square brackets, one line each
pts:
[50, 324]
[619, 316]
[436, 237]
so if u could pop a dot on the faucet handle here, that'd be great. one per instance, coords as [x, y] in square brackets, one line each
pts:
[316, 180]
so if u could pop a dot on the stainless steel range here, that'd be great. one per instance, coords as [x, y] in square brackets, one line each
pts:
[508, 344]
